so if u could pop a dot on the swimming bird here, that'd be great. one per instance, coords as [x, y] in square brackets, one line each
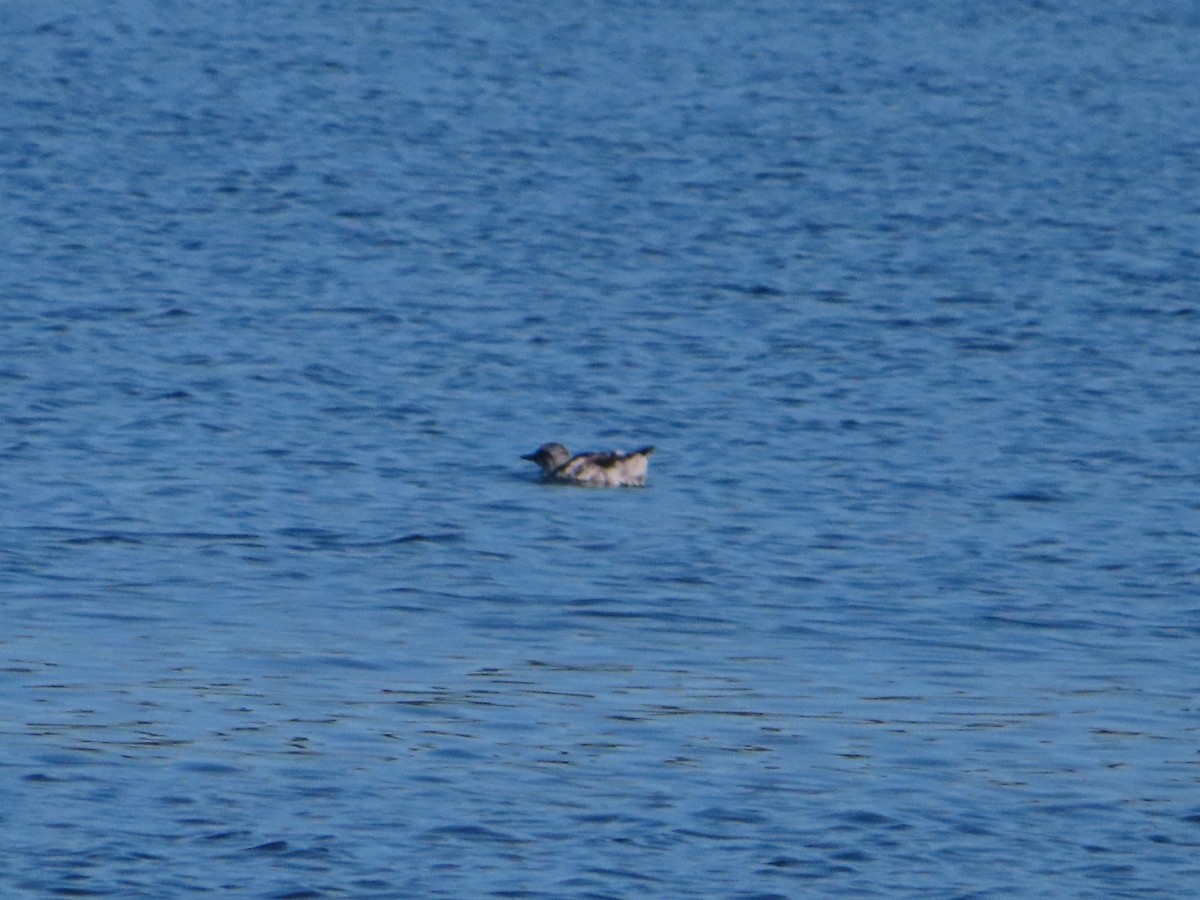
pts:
[611, 469]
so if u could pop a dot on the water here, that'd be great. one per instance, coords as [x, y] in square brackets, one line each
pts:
[906, 297]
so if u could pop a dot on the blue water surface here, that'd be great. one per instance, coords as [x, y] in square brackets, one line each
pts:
[905, 294]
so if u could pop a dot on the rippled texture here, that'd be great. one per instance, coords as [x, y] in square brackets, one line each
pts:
[904, 294]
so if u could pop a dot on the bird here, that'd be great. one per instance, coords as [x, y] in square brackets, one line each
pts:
[613, 468]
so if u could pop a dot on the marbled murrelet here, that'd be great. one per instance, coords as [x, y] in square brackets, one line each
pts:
[611, 469]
